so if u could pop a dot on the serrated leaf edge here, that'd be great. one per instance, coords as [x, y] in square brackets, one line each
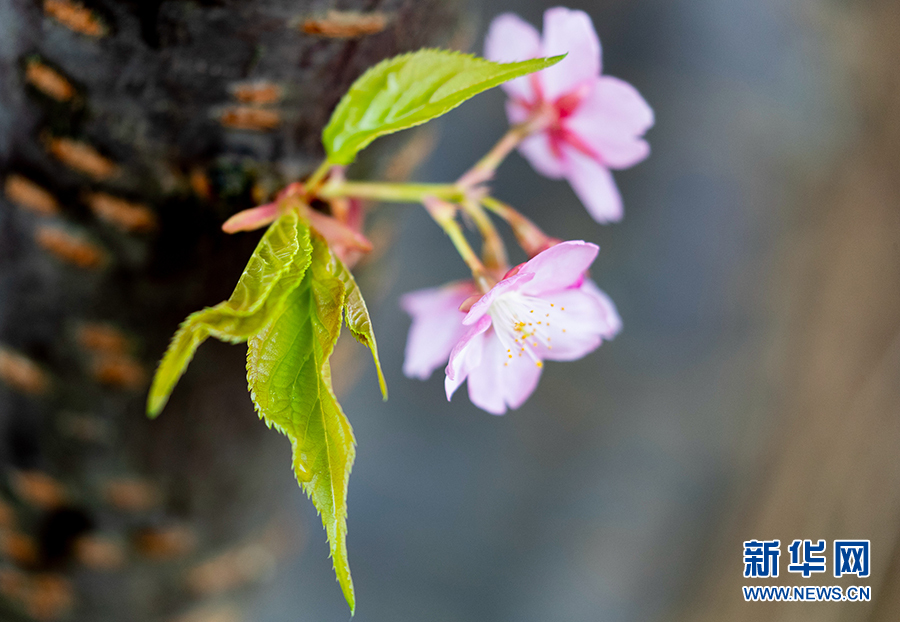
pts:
[336, 531]
[360, 336]
[198, 330]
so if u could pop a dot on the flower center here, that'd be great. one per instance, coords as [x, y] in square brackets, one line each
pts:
[522, 324]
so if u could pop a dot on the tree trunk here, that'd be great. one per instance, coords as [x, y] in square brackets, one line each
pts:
[128, 132]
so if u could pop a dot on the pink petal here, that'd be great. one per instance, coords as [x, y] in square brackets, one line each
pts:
[558, 267]
[594, 185]
[510, 39]
[611, 324]
[481, 306]
[620, 104]
[611, 120]
[500, 381]
[522, 375]
[568, 31]
[466, 355]
[516, 112]
[622, 154]
[450, 386]
[486, 388]
[536, 149]
[579, 323]
[437, 326]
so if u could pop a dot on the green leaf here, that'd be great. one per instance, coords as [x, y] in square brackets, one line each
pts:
[358, 320]
[273, 271]
[411, 89]
[289, 378]
[273, 257]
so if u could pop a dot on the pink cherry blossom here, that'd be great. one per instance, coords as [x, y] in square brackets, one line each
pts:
[547, 310]
[589, 123]
[437, 326]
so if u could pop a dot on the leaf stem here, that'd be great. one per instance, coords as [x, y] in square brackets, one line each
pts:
[337, 187]
[440, 200]
[318, 175]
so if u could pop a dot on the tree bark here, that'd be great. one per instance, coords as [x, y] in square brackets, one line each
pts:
[129, 131]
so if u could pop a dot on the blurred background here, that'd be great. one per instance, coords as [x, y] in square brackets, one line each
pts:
[754, 392]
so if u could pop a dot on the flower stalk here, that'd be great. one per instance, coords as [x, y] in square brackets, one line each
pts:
[444, 214]
[493, 250]
[484, 169]
[530, 237]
